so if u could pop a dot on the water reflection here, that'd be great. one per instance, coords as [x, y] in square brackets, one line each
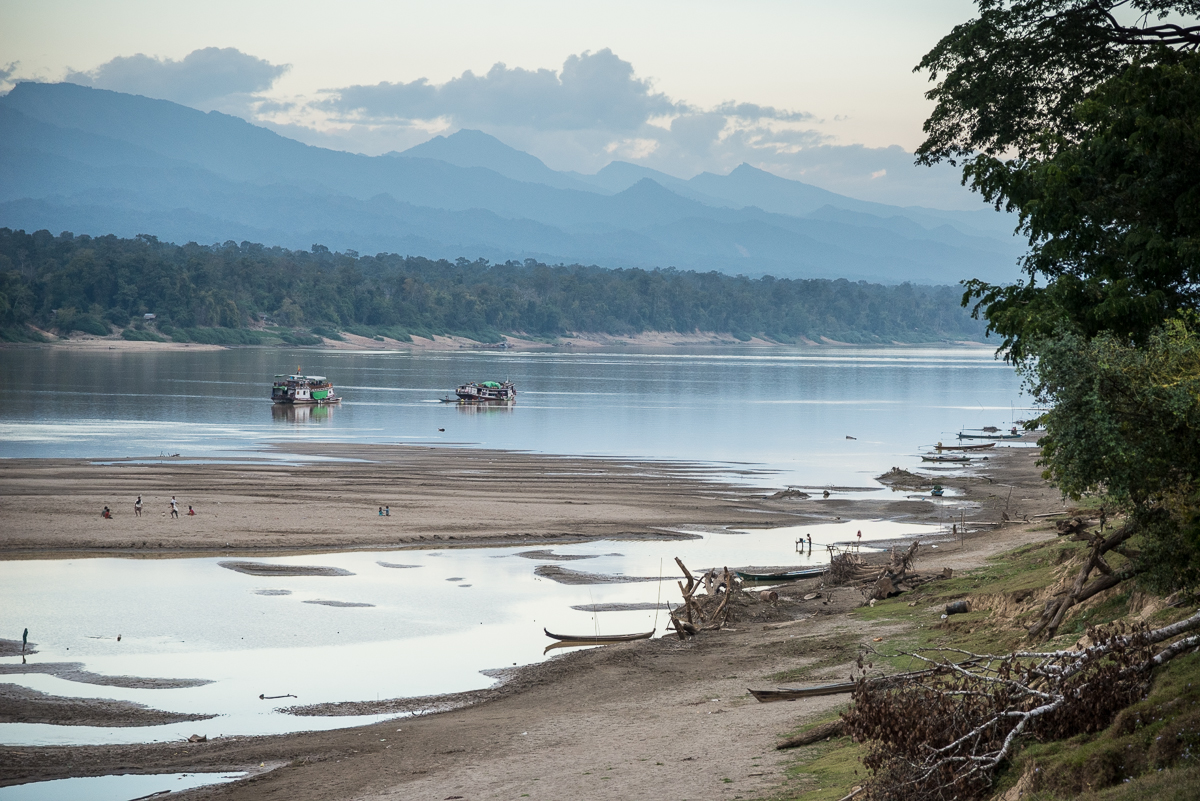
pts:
[485, 407]
[300, 415]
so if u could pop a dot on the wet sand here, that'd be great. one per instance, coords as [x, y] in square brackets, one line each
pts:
[651, 719]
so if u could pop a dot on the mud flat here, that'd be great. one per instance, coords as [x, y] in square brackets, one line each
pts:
[652, 719]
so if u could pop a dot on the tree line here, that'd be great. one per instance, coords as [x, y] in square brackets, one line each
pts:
[227, 293]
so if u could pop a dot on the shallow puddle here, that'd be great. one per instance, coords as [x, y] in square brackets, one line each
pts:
[113, 788]
[363, 631]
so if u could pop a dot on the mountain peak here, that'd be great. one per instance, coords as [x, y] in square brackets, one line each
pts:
[468, 147]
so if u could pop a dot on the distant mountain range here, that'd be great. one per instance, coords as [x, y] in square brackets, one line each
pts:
[94, 161]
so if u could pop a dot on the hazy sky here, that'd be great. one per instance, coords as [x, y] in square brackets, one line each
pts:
[818, 91]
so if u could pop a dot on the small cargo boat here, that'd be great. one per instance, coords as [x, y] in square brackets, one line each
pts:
[487, 391]
[303, 389]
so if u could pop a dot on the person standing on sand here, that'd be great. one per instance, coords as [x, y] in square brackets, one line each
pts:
[137, 507]
[174, 507]
[387, 511]
[24, 640]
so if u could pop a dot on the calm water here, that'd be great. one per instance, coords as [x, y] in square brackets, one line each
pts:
[788, 409]
[427, 628]
[434, 627]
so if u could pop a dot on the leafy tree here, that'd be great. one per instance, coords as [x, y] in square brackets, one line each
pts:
[1084, 117]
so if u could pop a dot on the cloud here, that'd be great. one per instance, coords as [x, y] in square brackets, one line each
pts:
[209, 76]
[7, 75]
[593, 90]
[596, 109]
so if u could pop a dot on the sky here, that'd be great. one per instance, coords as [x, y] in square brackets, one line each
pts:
[816, 91]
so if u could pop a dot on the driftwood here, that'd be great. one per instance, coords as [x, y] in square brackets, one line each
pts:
[940, 732]
[834, 728]
[1082, 589]
[707, 612]
[1074, 525]
[849, 568]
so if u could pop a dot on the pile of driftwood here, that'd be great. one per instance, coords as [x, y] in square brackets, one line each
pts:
[878, 582]
[703, 612]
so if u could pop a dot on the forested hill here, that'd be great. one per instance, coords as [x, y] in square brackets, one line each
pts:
[225, 294]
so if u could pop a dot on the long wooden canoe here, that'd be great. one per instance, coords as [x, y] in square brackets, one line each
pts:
[791, 575]
[990, 436]
[796, 693]
[984, 446]
[940, 458]
[601, 638]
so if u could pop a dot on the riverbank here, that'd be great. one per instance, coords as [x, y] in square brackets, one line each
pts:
[639, 720]
[579, 340]
[437, 497]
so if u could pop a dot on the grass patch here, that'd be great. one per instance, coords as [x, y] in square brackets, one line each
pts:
[134, 335]
[825, 771]
[1148, 751]
[826, 652]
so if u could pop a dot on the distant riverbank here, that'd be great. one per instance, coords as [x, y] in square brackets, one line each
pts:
[580, 340]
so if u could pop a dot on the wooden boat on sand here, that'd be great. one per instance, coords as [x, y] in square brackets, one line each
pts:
[790, 575]
[600, 638]
[940, 458]
[796, 693]
[981, 447]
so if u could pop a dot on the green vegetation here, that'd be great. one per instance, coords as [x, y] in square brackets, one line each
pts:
[224, 294]
[1151, 744]
[1082, 118]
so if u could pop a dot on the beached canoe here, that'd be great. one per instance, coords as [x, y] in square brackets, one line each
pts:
[791, 575]
[600, 638]
[940, 458]
[796, 693]
[990, 436]
[981, 447]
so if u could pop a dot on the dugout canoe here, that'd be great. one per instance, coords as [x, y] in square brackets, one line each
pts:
[600, 638]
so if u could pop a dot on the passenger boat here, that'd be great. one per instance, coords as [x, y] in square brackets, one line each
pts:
[790, 575]
[303, 389]
[600, 638]
[487, 391]
[980, 447]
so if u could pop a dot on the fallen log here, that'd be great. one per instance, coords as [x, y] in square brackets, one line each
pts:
[835, 728]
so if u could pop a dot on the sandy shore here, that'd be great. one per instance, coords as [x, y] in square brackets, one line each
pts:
[436, 497]
[653, 719]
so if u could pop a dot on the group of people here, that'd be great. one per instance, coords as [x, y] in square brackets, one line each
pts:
[137, 509]
[385, 511]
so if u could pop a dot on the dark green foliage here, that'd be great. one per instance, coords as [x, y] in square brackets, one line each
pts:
[1125, 424]
[1114, 219]
[217, 294]
[327, 333]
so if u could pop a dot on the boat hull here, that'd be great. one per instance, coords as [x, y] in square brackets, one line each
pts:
[793, 575]
[599, 638]
[483, 393]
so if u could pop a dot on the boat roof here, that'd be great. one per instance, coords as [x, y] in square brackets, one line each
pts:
[302, 377]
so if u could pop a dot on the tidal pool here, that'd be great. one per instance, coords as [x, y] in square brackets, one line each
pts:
[113, 788]
[381, 625]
